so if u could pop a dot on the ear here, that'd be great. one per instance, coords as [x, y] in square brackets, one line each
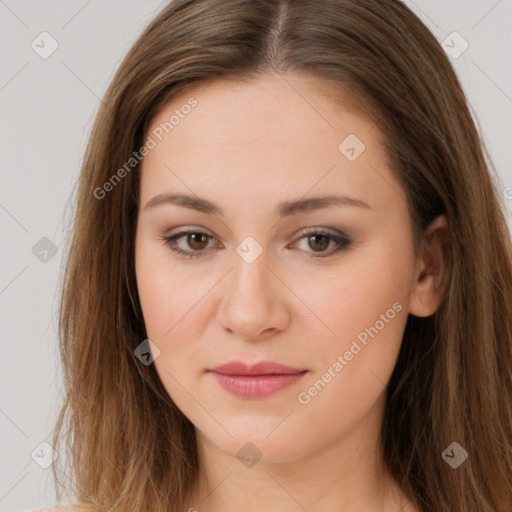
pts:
[433, 269]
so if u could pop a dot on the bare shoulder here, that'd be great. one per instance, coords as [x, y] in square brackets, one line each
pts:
[57, 508]
[65, 508]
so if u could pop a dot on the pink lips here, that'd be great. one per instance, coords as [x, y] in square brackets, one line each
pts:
[256, 381]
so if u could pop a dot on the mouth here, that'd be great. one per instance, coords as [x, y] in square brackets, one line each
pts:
[256, 381]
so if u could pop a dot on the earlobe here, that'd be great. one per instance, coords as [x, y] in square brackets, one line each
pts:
[432, 270]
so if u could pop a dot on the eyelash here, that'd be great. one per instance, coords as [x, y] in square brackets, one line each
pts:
[341, 241]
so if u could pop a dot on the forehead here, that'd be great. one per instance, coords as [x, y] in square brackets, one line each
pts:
[274, 133]
[266, 105]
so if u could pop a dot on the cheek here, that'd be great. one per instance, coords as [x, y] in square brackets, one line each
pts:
[352, 367]
[155, 297]
[366, 306]
[367, 329]
[174, 303]
[364, 285]
[161, 291]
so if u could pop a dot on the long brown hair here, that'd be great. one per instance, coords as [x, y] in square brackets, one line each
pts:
[129, 447]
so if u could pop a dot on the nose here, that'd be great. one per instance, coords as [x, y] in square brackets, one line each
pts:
[254, 305]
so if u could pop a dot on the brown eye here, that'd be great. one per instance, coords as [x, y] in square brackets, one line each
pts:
[197, 240]
[318, 242]
[195, 243]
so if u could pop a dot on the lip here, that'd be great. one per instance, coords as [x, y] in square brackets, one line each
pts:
[258, 380]
[262, 368]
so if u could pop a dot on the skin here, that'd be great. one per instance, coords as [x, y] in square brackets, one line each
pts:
[247, 146]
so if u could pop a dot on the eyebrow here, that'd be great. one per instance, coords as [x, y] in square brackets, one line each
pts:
[284, 209]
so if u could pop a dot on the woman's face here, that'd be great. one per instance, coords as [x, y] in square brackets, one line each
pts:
[274, 272]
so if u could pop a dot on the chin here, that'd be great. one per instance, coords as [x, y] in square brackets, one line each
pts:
[261, 445]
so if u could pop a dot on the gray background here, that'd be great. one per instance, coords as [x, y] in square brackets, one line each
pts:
[47, 107]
